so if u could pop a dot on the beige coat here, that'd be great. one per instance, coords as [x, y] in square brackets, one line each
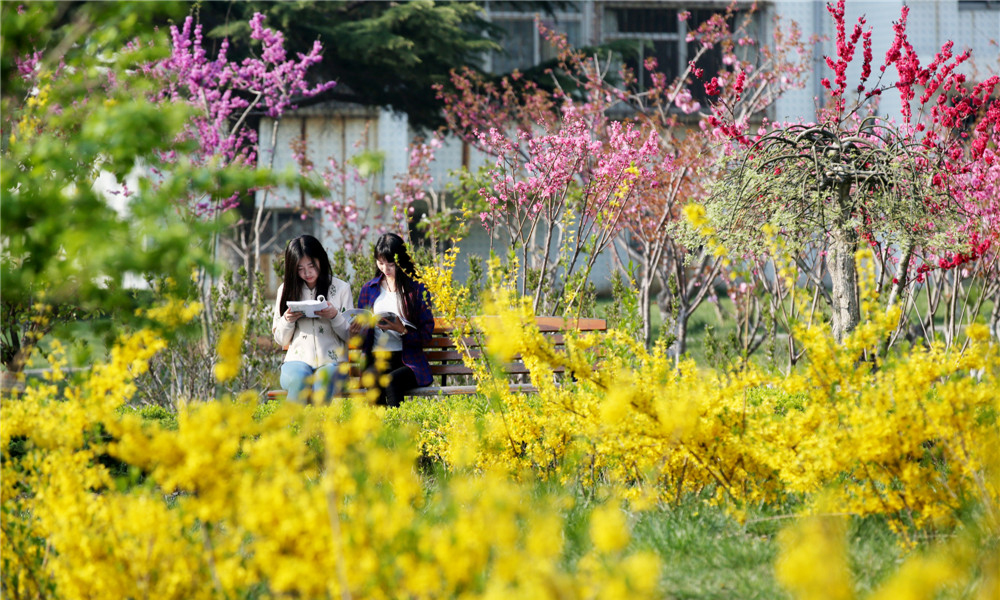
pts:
[315, 341]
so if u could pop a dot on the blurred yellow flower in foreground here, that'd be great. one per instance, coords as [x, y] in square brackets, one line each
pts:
[230, 353]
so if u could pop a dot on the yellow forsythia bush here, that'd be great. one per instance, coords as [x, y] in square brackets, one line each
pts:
[909, 436]
[913, 436]
[240, 502]
[235, 502]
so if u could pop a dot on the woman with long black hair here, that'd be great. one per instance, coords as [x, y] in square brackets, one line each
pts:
[316, 345]
[395, 289]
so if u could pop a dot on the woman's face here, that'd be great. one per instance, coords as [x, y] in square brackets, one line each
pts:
[308, 271]
[387, 268]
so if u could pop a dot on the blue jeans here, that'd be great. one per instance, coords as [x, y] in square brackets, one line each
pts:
[295, 375]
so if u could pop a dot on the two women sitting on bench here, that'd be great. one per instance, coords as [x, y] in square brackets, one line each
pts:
[316, 346]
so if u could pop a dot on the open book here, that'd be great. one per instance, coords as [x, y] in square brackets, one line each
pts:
[369, 318]
[308, 307]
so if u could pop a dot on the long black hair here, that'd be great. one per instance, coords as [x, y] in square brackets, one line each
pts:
[391, 248]
[296, 250]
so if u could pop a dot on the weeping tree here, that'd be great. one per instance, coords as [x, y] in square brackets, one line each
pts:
[855, 176]
[834, 187]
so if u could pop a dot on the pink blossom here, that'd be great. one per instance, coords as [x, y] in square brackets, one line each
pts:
[219, 90]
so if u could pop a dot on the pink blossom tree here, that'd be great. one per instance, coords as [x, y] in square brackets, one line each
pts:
[564, 179]
[505, 118]
[565, 199]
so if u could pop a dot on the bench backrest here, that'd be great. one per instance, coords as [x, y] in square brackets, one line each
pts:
[446, 358]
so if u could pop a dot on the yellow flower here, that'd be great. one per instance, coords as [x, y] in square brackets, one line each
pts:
[696, 215]
[978, 332]
[813, 559]
[609, 529]
[230, 354]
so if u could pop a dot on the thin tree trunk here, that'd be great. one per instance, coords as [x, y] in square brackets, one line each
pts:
[681, 327]
[995, 316]
[645, 302]
[951, 326]
[900, 282]
[545, 265]
[895, 292]
[259, 220]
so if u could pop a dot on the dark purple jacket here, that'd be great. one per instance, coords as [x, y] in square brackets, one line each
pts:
[413, 340]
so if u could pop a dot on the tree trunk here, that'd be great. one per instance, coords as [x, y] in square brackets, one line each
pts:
[995, 317]
[901, 274]
[681, 328]
[645, 299]
[844, 275]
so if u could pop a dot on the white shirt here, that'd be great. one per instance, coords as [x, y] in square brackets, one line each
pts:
[388, 302]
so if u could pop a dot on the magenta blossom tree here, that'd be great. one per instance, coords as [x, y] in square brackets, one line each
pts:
[855, 177]
[223, 95]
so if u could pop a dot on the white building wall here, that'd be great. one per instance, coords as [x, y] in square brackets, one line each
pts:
[930, 24]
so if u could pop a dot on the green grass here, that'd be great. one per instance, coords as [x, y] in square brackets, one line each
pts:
[707, 554]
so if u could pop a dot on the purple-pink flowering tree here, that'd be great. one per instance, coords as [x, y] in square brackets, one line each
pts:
[224, 94]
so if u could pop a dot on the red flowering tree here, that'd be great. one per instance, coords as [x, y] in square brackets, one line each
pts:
[749, 78]
[906, 186]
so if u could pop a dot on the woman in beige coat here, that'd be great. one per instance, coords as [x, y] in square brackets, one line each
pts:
[316, 345]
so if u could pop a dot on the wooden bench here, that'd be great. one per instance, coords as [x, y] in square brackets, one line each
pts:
[453, 377]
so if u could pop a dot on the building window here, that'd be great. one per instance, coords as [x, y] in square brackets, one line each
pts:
[978, 5]
[664, 37]
[523, 45]
[283, 225]
[661, 32]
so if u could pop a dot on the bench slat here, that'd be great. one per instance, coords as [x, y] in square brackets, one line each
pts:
[557, 339]
[510, 369]
[457, 390]
[448, 355]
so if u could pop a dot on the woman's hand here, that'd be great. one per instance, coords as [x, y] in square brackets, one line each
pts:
[292, 316]
[391, 324]
[357, 328]
[329, 312]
